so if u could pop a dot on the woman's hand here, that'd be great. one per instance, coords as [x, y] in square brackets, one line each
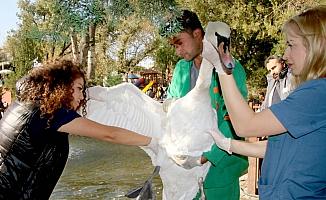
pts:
[221, 141]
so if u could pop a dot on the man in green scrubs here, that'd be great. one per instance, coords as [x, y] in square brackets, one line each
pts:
[222, 180]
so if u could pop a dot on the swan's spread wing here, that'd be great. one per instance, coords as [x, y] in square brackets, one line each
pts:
[127, 107]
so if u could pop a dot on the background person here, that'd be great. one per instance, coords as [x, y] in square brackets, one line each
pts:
[278, 81]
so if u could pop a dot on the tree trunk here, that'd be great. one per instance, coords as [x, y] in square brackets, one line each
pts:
[74, 47]
[83, 49]
[91, 53]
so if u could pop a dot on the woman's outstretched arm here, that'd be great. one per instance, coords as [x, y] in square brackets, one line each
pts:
[85, 127]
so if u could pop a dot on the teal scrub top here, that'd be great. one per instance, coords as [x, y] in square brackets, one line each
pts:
[295, 161]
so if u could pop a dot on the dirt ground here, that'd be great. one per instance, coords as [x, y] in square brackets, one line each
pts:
[244, 195]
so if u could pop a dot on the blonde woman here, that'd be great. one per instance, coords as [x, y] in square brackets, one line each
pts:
[295, 158]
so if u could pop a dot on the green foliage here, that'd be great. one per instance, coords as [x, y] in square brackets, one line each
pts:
[120, 9]
[112, 79]
[170, 25]
[78, 15]
[132, 41]
[148, 9]
[164, 56]
[21, 46]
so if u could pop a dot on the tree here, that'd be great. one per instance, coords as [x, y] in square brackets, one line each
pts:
[132, 41]
[116, 35]
[21, 44]
[165, 57]
[81, 17]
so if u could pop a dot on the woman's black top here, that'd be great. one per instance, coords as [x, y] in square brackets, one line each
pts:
[32, 152]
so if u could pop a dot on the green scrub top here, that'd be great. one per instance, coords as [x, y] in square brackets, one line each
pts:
[222, 180]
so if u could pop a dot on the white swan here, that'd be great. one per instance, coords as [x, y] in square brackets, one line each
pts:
[182, 131]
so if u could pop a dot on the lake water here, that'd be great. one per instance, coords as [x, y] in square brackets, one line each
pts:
[101, 170]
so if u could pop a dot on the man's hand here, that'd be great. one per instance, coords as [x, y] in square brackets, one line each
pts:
[167, 104]
[187, 162]
[221, 141]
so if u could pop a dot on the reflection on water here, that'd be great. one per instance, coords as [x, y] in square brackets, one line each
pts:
[100, 170]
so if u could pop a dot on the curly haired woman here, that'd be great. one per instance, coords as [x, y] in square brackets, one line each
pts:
[34, 131]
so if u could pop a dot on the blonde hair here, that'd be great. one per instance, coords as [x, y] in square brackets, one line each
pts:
[311, 26]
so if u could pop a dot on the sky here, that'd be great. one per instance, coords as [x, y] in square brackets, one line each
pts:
[8, 18]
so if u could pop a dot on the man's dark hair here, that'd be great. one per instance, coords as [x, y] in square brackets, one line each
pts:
[189, 21]
[278, 58]
[186, 21]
